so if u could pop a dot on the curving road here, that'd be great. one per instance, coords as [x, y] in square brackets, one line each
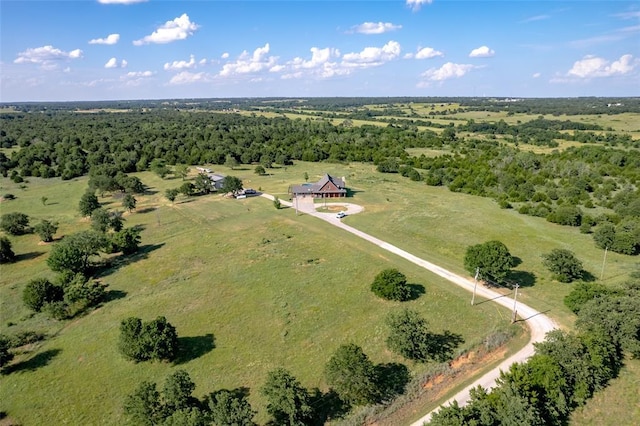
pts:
[539, 324]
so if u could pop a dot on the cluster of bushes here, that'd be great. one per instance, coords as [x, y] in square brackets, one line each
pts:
[69, 296]
[566, 369]
[151, 340]
[176, 405]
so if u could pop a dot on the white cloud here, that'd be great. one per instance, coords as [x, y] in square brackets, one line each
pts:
[482, 52]
[135, 78]
[635, 14]
[535, 18]
[447, 71]
[536, 75]
[178, 29]
[180, 65]
[427, 53]
[323, 64]
[593, 66]
[415, 5]
[110, 39]
[121, 1]
[250, 64]
[138, 74]
[203, 61]
[187, 77]
[46, 56]
[375, 27]
[225, 55]
[372, 56]
[113, 63]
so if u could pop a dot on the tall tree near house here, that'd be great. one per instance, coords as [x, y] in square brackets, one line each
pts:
[129, 202]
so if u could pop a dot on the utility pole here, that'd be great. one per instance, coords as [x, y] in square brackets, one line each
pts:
[475, 284]
[295, 201]
[603, 262]
[515, 304]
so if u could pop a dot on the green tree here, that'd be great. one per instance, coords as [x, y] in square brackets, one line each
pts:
[129, 202]
[192, 416]
[39, 292]
[493, 259]
[276, 203]
[230, 407]
[6, 252]
[14, 223]
[74, 252]
[182, 170]
[231, 184]
[583, 292]
[159, 167]
[604, 235]
[408, 335]
[187, 189]
[306, 177]
[100, 220]
[44, 199]
[230, 161]
[287, 400]
[153, 340]
[46, 230]
[177, 391]
[5, 354]
[563, 264]
[259, 170]
[143, 407]
[88, 203]
[126, 240]
[352, 375]
[171, 194]
[391, 284]
[203, 184]
[80, 294]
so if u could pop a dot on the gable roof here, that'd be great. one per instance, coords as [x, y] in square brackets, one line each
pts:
[315, 188]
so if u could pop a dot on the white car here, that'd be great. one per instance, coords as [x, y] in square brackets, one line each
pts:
[341, 215]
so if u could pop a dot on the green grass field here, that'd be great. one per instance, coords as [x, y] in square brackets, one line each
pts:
[249, 288]
[617, 404]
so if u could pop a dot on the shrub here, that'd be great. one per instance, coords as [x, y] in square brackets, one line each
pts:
[153, 340]
[493, 259]
[15, 223]
[39, 292]
[6, 253]
[563, 264]
[46, 230]
[391, 284]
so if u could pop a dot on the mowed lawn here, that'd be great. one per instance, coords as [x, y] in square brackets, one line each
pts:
[248, 287]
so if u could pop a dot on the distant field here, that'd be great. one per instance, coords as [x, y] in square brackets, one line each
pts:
[271, 288]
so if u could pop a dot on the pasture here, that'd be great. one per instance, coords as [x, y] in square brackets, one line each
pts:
[249, 288]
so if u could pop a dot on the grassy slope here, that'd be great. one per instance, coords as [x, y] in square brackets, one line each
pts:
[616, 405]
[208, 267]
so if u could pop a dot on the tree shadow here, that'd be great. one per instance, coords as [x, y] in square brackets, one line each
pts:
[587, 276]
[28, 256]
[327, 406]
[149, 192]
[37, 361]
[112, 265]
[443, 345]
[146, 210]
[392, 379]
[353, 192]
[515, 261]
[112, 295]
[415, 291]
[523, 278]
[190, 348]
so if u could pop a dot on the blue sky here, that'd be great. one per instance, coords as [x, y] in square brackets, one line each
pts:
[135, 49]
